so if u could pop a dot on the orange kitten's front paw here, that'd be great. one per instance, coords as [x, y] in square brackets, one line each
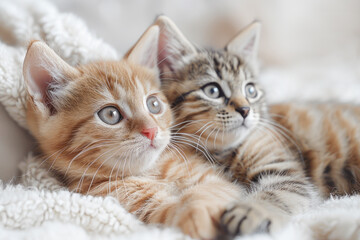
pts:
[200, 221]
[247, 218]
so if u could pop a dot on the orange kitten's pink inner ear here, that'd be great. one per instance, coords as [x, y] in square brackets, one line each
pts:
[44, 71]
[38, 87]
[145, 51]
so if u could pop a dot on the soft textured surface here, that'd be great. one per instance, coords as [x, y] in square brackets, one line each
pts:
[24, 20]
[40, 208]
[15, 143]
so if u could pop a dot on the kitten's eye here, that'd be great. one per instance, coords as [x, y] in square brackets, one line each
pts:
[212, 91]
[153, 104]
[110, 115]
[250, 90]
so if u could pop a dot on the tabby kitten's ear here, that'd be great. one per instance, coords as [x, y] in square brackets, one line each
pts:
[46, 76]
[246, 43]
[173, 45]
[145, 50]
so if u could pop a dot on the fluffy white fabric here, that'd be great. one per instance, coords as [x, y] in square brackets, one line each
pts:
[40, 208]
[22, 21]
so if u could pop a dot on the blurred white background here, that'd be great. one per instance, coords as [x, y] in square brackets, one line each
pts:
[306, 45]
[293, 31]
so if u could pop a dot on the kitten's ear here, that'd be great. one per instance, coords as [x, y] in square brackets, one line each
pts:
[173, 45]
[145, 50]
[46, 75]
[246, 43]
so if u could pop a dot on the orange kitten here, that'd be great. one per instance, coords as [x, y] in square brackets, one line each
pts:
[104, 129]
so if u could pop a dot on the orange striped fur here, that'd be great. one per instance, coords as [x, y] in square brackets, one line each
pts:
[155, 180]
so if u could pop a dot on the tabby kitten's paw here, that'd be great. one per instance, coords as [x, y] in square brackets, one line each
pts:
[247, 218]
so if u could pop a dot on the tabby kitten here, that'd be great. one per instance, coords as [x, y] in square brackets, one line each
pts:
[104, 129]
[215, 95]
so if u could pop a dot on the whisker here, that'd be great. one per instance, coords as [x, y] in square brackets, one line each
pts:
[94, 175]
[89, 165]
[128, 153]
[210, 125]
[216, 137]
[283, 131]
[86, 149]
[173, 145]
[193, 144]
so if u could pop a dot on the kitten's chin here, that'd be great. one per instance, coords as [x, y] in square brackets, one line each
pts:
[146, 157]
[149, 158]
[231, 139]
[239, 134]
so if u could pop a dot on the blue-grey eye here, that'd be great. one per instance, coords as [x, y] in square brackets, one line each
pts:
[110, 115]
[153, 104]
[250, 90]
[212, 91]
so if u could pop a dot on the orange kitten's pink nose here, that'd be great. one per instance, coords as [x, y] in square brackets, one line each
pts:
[150, 133]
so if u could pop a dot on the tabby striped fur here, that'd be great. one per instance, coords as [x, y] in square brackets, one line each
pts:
[287, 156]
[328, 136]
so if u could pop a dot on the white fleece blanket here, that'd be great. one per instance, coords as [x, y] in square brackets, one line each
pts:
[39, 207]
[22, 21]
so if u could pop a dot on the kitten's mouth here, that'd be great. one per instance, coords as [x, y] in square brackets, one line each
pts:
[154, 145]
[236, 127]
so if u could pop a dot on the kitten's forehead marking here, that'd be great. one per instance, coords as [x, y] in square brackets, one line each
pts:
[121, 91]
[223, 61]
[107, 94]
[123, 100]
[147, 86]
[135, 97]
[140, 86]
[242, 74]
[129, 72]
[228, 70]
[226, 88]
[126, 108]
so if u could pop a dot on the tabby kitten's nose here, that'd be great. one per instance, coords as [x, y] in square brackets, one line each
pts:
[244, 111]
[150, 133]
